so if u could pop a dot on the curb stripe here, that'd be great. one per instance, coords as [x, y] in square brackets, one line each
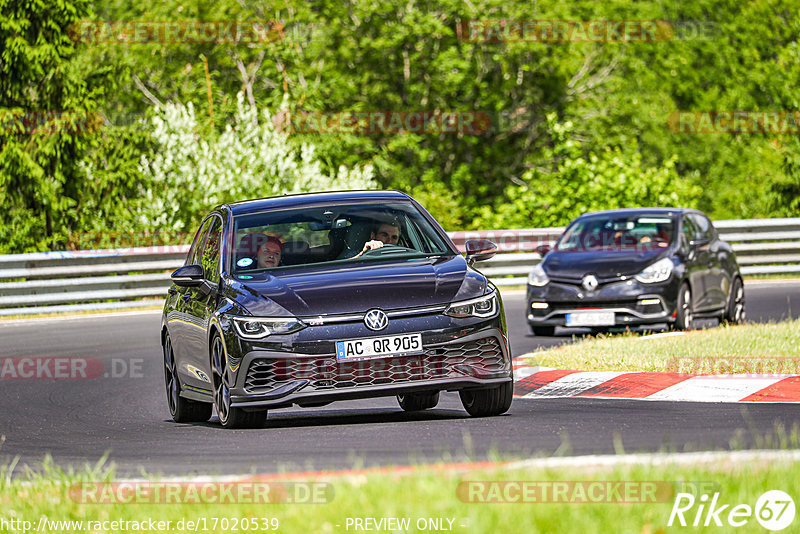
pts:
[713, 389]
[573, 384]
[785, 390]
[537, 380]
[635, 385]
[534, 382]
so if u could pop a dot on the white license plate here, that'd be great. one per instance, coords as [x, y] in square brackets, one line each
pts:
[590, 318]
[372, 347]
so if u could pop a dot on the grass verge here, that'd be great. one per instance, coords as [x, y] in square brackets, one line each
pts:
[768, 348]
[522, 499]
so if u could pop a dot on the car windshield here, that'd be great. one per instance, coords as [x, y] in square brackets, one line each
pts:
[641, 232]
[284, 238]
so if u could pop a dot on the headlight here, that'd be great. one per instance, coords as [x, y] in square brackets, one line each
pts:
[657, 272]
[258, 327]
[485, 306]
[538, 277]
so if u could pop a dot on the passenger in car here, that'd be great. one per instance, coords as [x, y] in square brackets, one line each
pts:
[269, 253]
[260, 249]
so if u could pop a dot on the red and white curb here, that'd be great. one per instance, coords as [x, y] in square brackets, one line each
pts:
[541, 383]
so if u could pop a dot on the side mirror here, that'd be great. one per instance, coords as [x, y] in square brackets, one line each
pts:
[543, 249]
[479, 250]
[188, 276]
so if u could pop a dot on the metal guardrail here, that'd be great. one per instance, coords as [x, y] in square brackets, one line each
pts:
[128, 278]
[762, 246]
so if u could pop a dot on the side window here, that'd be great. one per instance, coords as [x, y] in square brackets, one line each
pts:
[194, 252]
[689, 230]
[210, 258]
[703, 226]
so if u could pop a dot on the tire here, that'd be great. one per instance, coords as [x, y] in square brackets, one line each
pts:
[182, 410]
[544, 331]
[415, 402]
[229, 417]
[487, 402]
[684, 318]
[735, 310]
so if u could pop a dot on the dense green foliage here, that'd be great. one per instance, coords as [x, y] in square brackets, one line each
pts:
[575, 126]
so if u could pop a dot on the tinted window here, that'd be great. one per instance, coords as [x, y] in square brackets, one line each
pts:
[210, 258]
[616, 232]
[193, 258]
[334, 233]
[703, 226]
[689, 229]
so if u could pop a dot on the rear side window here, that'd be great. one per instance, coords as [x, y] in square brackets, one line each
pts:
[703, 225]
[210, 257]
[193, 258]
[689, 230]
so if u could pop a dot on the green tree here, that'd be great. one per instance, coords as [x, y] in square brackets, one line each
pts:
[43, 90]
[572, 183]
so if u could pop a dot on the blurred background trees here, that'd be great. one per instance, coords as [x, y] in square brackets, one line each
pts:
[575, 126]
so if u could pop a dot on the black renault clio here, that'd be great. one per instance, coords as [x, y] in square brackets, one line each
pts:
[632, 267]
[308, 299]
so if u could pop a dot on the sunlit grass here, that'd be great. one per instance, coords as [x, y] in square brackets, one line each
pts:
[424, 493]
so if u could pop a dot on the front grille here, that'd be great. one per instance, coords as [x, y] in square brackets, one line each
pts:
[577, 305]
[476, 359]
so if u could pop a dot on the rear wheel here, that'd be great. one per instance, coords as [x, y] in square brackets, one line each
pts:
[545, 331]
[735, 311]
[414, 402]
[182, 410]
[487, 402]
[229, 416]
[684, 318]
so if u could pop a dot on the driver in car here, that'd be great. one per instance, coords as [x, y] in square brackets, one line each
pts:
[387, 233]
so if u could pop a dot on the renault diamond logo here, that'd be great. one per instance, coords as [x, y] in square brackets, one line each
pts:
[589, 282]
[376, 319]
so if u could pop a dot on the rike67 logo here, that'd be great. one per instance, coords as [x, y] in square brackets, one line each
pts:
[774, 510]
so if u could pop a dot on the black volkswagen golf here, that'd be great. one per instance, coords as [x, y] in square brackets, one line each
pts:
[633, 267]
[307, 299]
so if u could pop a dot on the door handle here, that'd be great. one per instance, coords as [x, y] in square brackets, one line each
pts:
[186, 297]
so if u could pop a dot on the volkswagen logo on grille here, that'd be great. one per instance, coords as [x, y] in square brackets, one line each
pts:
[589, 282]
[376, 319]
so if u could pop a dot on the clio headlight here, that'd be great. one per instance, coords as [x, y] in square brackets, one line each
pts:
[657, 272]
[259, 327]
[538, 277]
[485, 306]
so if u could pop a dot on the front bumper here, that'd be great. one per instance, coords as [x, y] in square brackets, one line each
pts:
[275, 379]
[631, 302]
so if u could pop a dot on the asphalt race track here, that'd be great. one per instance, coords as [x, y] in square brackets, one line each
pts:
[123, 411]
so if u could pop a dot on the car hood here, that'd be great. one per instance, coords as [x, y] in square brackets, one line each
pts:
[574, 265]
[358, 287]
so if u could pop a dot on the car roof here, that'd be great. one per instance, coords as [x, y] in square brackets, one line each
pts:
[634, 211]
[309, 199]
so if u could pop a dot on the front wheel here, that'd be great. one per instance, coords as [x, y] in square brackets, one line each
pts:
[735, 312]
[229, 416]
[415, 402]
[487, 402]
[684, 318]
[182, 410]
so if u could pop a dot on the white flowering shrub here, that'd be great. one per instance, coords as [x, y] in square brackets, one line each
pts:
[190, 171]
